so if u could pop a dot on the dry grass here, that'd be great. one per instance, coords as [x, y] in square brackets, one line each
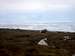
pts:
[24, 43]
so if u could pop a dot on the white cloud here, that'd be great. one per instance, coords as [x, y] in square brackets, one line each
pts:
[27, 5]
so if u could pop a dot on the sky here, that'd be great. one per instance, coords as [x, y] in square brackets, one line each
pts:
[21, 12]
[36, 11]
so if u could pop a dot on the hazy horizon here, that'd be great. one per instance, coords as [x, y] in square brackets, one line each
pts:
[22, 12]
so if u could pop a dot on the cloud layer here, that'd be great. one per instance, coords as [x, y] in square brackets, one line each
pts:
[27, 5]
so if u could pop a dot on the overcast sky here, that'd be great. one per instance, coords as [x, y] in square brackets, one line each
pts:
[36, 11]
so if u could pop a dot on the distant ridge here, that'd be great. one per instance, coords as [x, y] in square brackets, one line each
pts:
[65, 27]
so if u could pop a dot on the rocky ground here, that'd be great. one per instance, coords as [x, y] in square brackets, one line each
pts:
[16, 42]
